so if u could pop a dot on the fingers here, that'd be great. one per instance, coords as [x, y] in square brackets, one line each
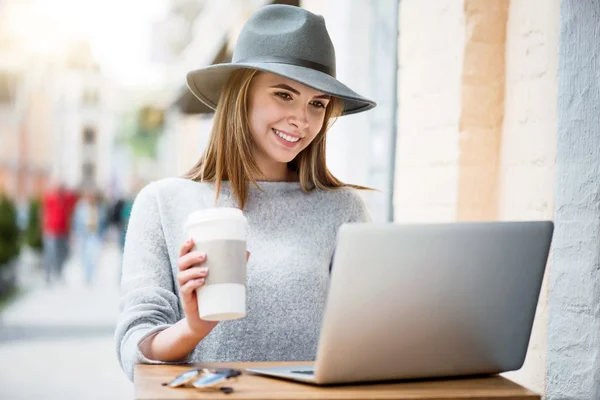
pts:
[187, 290]
[247, 255]
[190, 274]
[186, 247]
[190, 259]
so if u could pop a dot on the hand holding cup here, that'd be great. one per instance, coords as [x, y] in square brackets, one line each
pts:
[192, 276]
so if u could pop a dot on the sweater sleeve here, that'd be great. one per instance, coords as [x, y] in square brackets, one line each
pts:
[356, 212]
[148, 301]
[359, 210]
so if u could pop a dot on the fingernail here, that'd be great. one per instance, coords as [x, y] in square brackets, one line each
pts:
[201, 256]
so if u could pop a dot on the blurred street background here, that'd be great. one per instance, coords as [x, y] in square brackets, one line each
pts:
[93, 106]
[479, 102]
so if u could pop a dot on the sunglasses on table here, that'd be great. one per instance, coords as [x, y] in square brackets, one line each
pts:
[206, 379]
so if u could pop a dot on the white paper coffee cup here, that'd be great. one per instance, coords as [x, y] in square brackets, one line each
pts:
[221, 234]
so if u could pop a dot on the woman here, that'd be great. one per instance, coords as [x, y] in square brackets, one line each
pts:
[266, 155]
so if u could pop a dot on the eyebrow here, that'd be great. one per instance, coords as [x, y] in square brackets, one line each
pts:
[291, 89]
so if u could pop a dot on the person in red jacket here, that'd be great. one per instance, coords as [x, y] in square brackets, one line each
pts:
[57, 206]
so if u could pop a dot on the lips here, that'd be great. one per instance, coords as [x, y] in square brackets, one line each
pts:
[286, 134]
[285, 138]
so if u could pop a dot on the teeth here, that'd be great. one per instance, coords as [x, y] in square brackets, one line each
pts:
[286, 137]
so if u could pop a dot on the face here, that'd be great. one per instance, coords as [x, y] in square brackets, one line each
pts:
[285, 117]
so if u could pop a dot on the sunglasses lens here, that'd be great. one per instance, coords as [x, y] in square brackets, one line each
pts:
[209, 380]
[229, 372]
[184, 378]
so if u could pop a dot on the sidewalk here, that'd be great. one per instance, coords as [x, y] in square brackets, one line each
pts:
[57, 342]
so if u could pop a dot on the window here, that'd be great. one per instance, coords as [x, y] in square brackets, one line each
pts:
[8, 86]
[89, 136]
[88, 172]
[89, 97]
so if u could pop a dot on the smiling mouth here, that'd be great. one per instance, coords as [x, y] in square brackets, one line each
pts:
[285, 137]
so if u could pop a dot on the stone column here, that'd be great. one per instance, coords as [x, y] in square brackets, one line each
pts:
[574, 318]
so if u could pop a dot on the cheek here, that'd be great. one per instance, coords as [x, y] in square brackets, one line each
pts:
[316, 123]
[261, 117]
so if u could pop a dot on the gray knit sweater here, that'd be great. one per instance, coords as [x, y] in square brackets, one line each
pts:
[291, 238]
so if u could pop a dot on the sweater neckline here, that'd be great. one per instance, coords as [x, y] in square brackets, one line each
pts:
[268, 186]
[265, 187]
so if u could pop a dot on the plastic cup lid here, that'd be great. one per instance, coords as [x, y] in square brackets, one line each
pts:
[211, 214]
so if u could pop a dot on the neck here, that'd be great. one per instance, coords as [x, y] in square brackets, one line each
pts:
[274, 172]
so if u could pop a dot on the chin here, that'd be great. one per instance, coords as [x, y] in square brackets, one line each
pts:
[283, 158]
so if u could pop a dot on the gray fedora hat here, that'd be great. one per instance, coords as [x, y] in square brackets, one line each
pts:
[285, 40]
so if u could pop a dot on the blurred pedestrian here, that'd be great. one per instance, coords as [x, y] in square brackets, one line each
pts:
[57, 204]
[22, 206]
[119, 217]
[89, 224]
[115, 212]
[124, 219]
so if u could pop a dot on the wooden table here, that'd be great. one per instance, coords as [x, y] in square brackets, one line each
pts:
[149, 379]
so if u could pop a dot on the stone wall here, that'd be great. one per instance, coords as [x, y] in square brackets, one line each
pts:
[527, 163]
[431, 46]
[574, 281]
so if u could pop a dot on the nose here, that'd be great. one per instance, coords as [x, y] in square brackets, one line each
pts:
[298, 117]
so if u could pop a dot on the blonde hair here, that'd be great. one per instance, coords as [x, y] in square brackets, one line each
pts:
[229, 152]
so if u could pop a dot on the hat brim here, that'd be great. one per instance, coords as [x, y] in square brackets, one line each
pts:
[206, 83]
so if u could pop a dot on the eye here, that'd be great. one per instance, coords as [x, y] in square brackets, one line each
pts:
[283, 95]
[317, 104]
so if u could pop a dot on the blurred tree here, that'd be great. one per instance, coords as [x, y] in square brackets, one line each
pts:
[141, 130]
[33, 232]
[9, 231]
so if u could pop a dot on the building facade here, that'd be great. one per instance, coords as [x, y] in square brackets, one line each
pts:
[57, 119]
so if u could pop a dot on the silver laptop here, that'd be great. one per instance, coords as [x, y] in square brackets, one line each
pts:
[428, 301]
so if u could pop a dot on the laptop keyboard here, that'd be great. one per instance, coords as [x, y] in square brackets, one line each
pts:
[307, 372]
